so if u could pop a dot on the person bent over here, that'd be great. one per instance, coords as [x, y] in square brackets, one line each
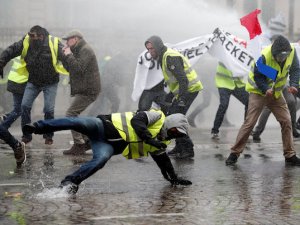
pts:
[131, 134]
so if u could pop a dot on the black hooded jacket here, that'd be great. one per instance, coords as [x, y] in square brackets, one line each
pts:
[280, 44]
[174, 64]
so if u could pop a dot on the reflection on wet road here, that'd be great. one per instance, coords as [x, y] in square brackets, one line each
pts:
[260, 189]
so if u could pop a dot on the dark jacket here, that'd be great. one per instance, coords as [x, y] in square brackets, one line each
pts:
[174, 64]
[38, 63]
[294, 74]
[279, 45]
[83, 68]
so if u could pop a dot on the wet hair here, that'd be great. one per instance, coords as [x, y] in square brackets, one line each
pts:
[157, 43]
[39, 30]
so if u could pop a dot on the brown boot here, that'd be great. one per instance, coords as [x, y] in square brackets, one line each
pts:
[19, 151]
[76, 149]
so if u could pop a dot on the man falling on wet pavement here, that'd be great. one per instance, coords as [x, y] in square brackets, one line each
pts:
[131, 134]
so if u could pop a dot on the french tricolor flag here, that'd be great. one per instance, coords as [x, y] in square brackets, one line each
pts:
[252, 24]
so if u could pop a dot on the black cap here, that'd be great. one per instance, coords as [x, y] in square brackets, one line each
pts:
[280, 45]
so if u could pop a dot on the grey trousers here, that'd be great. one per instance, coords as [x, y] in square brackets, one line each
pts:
[78, 104]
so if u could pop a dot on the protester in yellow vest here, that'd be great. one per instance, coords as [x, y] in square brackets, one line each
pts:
[227, 85]
[16, 84]
[183, 84]
[39, 65]
[132, 134]
[265, 84]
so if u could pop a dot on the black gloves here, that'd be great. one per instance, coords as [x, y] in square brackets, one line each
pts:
[164, 163]
[155, 143]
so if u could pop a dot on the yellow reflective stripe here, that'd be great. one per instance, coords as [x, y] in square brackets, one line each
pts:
[125, 129]
[191, 83]
[140, 144]
[17, 60]
[227, 76]
[282, 78]
[280, 88]
[252, 83]
[188, 70]
[25, 46]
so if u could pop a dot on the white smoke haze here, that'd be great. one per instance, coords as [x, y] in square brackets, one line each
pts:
[121, 27]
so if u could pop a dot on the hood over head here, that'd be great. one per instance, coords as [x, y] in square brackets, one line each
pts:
[157, 43]
[177, 120]
[280, 45]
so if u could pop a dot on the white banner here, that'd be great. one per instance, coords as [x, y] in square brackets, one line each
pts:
[228, 49]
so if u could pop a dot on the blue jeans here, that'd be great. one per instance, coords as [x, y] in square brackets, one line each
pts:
[7, 137]
[15, 113]
[91, 127]
[30, 94]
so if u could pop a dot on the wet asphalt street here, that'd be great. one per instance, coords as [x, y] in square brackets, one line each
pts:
[260, 189]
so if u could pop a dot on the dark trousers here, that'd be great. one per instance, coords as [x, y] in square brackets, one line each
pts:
[184, 143]
[240, 93]
[6, 136]
[15, 113]
[93, 128]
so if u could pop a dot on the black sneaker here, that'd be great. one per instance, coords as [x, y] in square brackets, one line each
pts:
[215, 135]
[298, 125]
[295, 133]
[70, 187]
[256, 138]
[232, 159]
[20, 154]
[293, 161]
[28, 128]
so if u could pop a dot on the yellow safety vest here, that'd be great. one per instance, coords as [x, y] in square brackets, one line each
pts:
[194, 83]
[281, 77]
[224, 78]
[136, 147]
[19, 72]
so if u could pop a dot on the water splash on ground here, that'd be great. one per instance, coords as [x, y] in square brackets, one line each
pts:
[52, 193]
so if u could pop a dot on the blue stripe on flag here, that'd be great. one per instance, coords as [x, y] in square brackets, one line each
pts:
[266, 70]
